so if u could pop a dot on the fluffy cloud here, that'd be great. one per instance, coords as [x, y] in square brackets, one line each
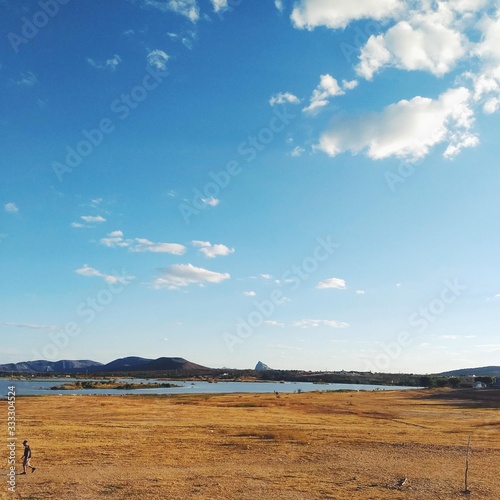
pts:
[314, 323]
[310, 14]
[283, 98]
[116, 239]
[158, 59]
[110, 64]
[90, 272]
[11, 208]
[211, 251]
[182, 275]
[407, 129]
[425, 41]
[332, 283]
[327, 87]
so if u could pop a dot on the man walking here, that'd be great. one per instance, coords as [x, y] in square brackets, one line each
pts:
[27, 457]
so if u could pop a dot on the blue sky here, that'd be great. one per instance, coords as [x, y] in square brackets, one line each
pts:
[313, 184]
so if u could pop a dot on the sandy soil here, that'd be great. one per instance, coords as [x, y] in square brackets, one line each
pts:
[352, 445]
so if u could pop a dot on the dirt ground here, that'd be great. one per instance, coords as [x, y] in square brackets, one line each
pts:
[331, 445]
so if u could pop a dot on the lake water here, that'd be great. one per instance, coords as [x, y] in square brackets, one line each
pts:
[40, 386]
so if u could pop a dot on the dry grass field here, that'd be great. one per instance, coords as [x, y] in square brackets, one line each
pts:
[352, 445]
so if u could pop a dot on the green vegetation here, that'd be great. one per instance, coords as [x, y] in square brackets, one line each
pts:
[90, 384]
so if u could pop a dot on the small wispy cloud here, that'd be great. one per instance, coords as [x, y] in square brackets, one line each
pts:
[315, 323]
[283, 98]
[182, 275]
[332, 283]
[297, 151]
[249, 294]
[110, 64]
[31, 326]
[272, 322]
[115, 239]
[327, 87]
[11, 208]
[158, 59]
[91, 272]
[186, 8]
[219, 5]
[211, 202]
[212, 251]
[88, 221]
[27, 79]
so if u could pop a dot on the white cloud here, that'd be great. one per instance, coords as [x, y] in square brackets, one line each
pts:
[11, 208]
[266, 276]
[249, 294]
[212, 251]
[332, 283]
[186, 8]
[425, 41]
[315, 323]
[181, 275]
[360, 292]
[310, 14]
[158, 59]
[144, 245]
[283, 98]
[116, 239]
[92, 218]
[279, 5]
[407, 129]
[327, 87]
[110, 64]
[349, 84]
[219, 5]
[88, 221]
[90, 272]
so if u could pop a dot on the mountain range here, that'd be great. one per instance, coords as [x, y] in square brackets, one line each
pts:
[128, 364]
[138, 364]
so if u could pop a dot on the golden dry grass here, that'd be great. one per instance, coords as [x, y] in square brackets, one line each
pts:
[259, 446]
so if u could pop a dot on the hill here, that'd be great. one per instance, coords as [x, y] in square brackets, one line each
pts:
[491, 371]
[123, 365]
[43, 366]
